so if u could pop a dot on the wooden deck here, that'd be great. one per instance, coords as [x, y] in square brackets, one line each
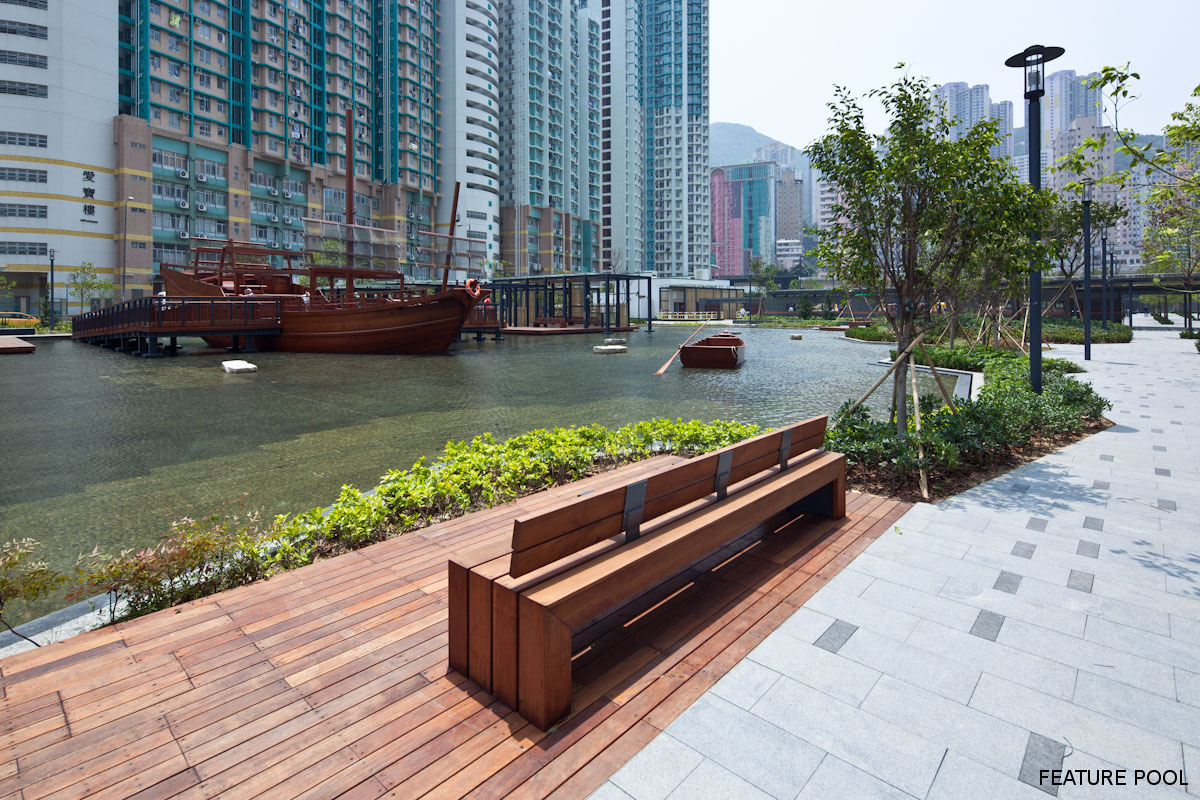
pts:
[332, 681]
[569, 329]
[12, 344]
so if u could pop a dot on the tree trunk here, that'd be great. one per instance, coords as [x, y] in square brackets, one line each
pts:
[953, 326]
[900, 392]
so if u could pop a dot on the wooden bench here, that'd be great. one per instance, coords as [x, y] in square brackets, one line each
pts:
[551, 322]
[513, 605]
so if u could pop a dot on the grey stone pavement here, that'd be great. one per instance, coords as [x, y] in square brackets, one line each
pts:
[1047, 619]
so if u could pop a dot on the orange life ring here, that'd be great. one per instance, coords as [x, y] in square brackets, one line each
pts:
[473, 287]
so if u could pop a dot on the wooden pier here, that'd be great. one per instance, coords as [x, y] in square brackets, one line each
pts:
[137, 326]
[332, 681]
[12, 344]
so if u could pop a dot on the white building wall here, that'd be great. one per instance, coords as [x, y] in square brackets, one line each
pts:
[469, 146]
[76, 117]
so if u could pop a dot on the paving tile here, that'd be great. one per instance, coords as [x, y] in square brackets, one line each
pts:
[1016, 665]
[889, 752]
[1007, 582]
[1147, 645]
[1089, 549]
[1159, 448]
[987, 625]
[1081, 581]
[1166, 505]
[980, 736]
[655, 771]
[1100, 484]
[1089, 656]
[1058, 595]
[1155, 713]
[712, 780]
[1093, 523]
[745, 683]
[836, 778]
[1024, 549]
[1162, 471]
[1109, 458]
[940, 675]
[851, 581]
[835, 635]
[1182, 628]
[608, 791]
[919, 539]
[774, 760]
[914, 577]
[962, 777]
[1017, 607]
[1041, 755]
[1077, 760]
[1092, 731]
[921, 604]
[846, 680]
[862, 612]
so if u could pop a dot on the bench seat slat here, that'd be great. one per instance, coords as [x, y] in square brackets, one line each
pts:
[607, 580]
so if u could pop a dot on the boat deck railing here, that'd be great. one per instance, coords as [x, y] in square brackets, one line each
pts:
[182, 316]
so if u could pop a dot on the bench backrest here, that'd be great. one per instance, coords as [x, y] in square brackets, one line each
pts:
[545, 538]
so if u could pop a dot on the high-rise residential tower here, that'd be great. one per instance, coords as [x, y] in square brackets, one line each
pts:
[59, 189]
[675, 73]
[549, 219]
[470, 120]
[245, 114]
[623, 120]
[743, 217]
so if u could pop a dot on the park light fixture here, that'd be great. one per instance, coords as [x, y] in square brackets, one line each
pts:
[1087, 268]
[1033, 61]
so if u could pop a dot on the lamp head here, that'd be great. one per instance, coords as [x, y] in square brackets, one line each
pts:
[1033, 60]
[1087, 189]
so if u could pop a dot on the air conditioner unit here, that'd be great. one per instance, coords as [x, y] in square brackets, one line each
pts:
[275, 244]
[287, 194]
[183, 203]
[201, 177]
[287, 245]
[275, 193]
[183, 173]
[274, 218]
[184, 235]
[201, 207]
[288, 220]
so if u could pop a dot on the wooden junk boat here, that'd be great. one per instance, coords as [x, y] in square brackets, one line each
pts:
[720, 351]
[331, 313]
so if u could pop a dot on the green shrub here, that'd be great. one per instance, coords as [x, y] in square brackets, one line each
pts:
[874, 333]
[974, 359]
[1190, 334]
[24, 578]
[1007, 414]
[1057, 330]
[1161, 319]
[201, 557]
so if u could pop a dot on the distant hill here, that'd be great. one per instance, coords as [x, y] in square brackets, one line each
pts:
[731, 143]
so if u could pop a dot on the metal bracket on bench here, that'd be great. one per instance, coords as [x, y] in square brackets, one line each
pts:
[785, 448]
[724, 467]
[635, 499]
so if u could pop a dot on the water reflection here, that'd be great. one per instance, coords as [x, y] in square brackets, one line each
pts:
[103, 448]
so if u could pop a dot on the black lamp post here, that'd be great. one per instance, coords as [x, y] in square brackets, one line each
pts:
[1104, 277]
[1033, 61]
[51, 289]
[1087, 269]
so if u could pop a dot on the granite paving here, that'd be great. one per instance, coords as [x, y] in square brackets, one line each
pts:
[1048, 619]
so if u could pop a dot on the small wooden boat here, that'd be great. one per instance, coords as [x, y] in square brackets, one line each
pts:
[720, 351]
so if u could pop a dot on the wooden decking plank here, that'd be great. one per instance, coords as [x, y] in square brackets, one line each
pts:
[412, 660]
[168, 787]
[53, 776]
[405, 770]
[502, 747]
[143, 779]
[14, 677]
[463, 753]
[17, 663]
[589, 777]
[37, 727]
[200, 712]
[108, 782]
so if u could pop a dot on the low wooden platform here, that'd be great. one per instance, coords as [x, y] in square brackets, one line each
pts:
[331, 681]
[11, 344]
[557, 331]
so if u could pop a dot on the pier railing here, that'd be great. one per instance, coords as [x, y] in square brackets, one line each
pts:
[180, 315]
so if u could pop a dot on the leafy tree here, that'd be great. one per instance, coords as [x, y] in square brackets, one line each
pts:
[1172, 242]
[806, 307]
[915, 207]
[6, 286]
[88, 286]
[794, 283]
[764, 276]
[1063, 235]
[1173, 165]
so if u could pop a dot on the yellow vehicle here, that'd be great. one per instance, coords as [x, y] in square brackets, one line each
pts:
[15, 319]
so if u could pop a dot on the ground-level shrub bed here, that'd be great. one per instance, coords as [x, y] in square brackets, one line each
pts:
[873, 333]
[1054, 331]
[1160, 318]
[974, 359]
[1190, 334]
[994, 431]
[199, 557]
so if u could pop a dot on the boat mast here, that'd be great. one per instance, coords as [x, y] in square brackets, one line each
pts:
[450, 242]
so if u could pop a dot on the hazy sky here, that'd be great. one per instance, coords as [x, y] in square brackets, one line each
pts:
[774, 62]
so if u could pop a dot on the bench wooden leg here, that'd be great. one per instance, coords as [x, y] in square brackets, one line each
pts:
[458, 632]
[479, 630]
[544, 671]
[828, 501]
[504, 645]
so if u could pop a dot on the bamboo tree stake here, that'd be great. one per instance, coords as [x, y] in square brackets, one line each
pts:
[921, 473]
[899, 359]
[938, 378]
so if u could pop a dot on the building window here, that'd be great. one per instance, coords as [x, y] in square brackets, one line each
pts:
[22, 59]
[22, 248]
[26, 3]
[23, 29]
[26, 175]
[23, 89]
[23, 139]
[22, 210]
[168, 159]
[170, 253]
